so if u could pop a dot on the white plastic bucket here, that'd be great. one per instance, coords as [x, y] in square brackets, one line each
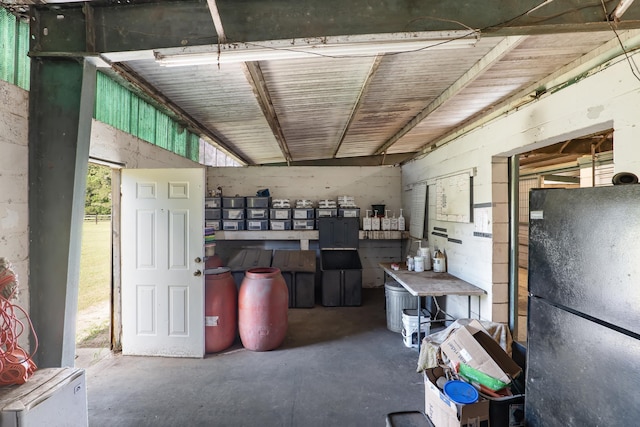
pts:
[410, 327]
[397, 299]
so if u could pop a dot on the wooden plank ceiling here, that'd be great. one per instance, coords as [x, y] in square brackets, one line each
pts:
[372, 105]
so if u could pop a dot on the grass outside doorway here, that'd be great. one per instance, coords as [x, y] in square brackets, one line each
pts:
[95, 281]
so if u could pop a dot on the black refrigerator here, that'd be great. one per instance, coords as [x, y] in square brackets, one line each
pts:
[583, 331]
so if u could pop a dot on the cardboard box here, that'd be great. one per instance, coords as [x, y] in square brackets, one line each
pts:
[471, 344]
[443, 412]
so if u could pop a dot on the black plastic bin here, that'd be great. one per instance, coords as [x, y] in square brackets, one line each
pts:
[245, 259]
[299, 271]
[340, 264]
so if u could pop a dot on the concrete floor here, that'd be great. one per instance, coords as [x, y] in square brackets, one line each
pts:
[337, 366]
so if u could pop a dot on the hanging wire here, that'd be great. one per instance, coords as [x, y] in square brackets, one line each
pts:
[630, 61]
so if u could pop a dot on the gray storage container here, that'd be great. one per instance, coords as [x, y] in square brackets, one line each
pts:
[232, 213]
[257, 213]
[326, 212]
[349, 212]
[233, 202]
[216, 224]
[340, 264]
[233, 224]
[212, 202]
[303, 213]
[257, 224]
[245, 259]
[212, 214]
[258, 202]
[280, 224]
[304, 224]
[280, 214]
[299, 271]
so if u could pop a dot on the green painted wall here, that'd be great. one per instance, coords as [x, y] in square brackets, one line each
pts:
[14, 46]
[115, 105]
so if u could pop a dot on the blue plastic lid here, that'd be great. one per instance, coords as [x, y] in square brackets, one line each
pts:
[461, 392]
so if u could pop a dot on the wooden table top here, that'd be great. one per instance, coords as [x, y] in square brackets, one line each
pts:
[428, 283]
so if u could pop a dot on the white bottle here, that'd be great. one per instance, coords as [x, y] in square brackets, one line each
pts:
[400, 222]
[375, 221]
[394, 222]
[366, 221]
[410, 263]
[386, 221]
[418, 263]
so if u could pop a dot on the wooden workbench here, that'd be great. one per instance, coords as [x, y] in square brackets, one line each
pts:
[431, 284]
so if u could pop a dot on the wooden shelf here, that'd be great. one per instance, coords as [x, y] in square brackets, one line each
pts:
[304, 235]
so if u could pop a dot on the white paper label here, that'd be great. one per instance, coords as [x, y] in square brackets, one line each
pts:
[536, 214]
[235, 214]
[277, 225]
[282, 214]
[465, 355]
[211, 321]
[300, 214]
[350, 214]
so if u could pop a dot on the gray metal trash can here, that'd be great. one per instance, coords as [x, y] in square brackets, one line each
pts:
[397, 299]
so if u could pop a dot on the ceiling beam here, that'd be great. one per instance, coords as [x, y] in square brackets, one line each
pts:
[205, 132]
[486, 62]
[261, 91]
[130, 26]
[558, 80]
[155, 24]
[356, 107]
[253, 20]
[389, 160]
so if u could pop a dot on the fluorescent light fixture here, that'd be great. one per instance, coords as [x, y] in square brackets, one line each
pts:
[336, 47]
[620, 9]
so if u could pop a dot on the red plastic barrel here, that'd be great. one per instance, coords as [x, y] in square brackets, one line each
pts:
[213, 261]
[221, 302]
[262, 309]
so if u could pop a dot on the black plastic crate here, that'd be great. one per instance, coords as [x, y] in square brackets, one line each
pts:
[245, 259]
[299, 271]
[340, 263]
[341, 278]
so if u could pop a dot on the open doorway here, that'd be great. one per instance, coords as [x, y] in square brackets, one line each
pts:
[93, 322]
[580, 162]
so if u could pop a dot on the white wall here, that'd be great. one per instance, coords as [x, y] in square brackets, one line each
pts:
[368, 184]
[107, 143]
[115, 146]
[14, 194]
[609, 98]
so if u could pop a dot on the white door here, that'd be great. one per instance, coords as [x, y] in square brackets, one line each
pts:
[162, 250]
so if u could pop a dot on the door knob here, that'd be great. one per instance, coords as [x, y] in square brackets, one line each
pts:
[198, 259]
[197, 273]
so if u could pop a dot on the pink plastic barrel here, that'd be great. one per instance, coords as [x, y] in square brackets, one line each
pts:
[221, 302]
[263, 302]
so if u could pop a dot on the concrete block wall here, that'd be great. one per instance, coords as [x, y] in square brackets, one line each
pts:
[368, 184]
[14, 180]
[607, 99]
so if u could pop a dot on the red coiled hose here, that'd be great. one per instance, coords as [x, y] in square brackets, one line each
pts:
[16, 365]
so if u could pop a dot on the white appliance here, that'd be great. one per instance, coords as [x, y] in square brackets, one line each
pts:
[52, 397]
